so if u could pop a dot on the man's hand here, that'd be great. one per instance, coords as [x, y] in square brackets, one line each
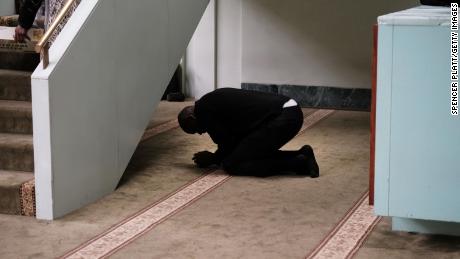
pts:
[204, 159]
[20, 34]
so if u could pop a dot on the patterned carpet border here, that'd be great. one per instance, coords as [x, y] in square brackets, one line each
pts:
[169, 125]
[348, 235]
[314, 118]
[141, 222]
[128, 230]
[27, 198]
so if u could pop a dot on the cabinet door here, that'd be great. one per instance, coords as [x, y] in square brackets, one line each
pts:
[425, 139]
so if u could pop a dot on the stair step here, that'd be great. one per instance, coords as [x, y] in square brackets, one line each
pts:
[9, 20]
[14, 198]
[16, 152]
[15, 117]
[26, 61]
[15, 85]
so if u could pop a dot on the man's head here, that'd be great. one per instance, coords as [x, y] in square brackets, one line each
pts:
[188, 121]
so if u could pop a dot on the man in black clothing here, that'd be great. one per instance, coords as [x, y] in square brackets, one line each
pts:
[249, 128]
[27, 14]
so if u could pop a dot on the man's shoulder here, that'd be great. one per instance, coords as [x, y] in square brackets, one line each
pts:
[220, 92]
[234, 94]
[226, 90]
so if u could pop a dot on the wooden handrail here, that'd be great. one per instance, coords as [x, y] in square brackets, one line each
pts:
[43, 45]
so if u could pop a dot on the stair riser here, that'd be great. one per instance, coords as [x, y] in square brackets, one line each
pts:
[15, 93]
[10, 201]
[19, 61]
[17, 159]
[15, 88]
[20, 123]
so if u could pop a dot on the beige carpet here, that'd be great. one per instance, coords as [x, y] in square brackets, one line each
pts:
[276, 217]
[155, 177]
[246, 217]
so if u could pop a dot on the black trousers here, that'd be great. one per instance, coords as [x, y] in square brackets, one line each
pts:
[258, 153]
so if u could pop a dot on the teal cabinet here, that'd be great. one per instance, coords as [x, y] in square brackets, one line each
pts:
[417, 155]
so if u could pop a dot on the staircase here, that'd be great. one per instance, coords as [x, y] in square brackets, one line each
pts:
[92, 101]
[16, 145]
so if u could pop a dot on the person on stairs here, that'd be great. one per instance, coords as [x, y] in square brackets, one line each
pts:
[27, 14]
[249, 128]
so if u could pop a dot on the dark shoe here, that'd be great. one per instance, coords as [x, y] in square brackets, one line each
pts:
[313, 168]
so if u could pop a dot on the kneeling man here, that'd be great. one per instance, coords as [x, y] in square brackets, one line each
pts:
[249, 128]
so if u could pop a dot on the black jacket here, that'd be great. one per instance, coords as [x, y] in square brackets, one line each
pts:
[228, 114]
[27, 12]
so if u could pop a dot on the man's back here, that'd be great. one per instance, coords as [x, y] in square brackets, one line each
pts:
[237, 111]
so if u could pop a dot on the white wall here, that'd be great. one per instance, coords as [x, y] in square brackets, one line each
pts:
[7, 7]
[311, 42]
[92, 104]
[229, 43]
[200, 57]
[304, 42]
